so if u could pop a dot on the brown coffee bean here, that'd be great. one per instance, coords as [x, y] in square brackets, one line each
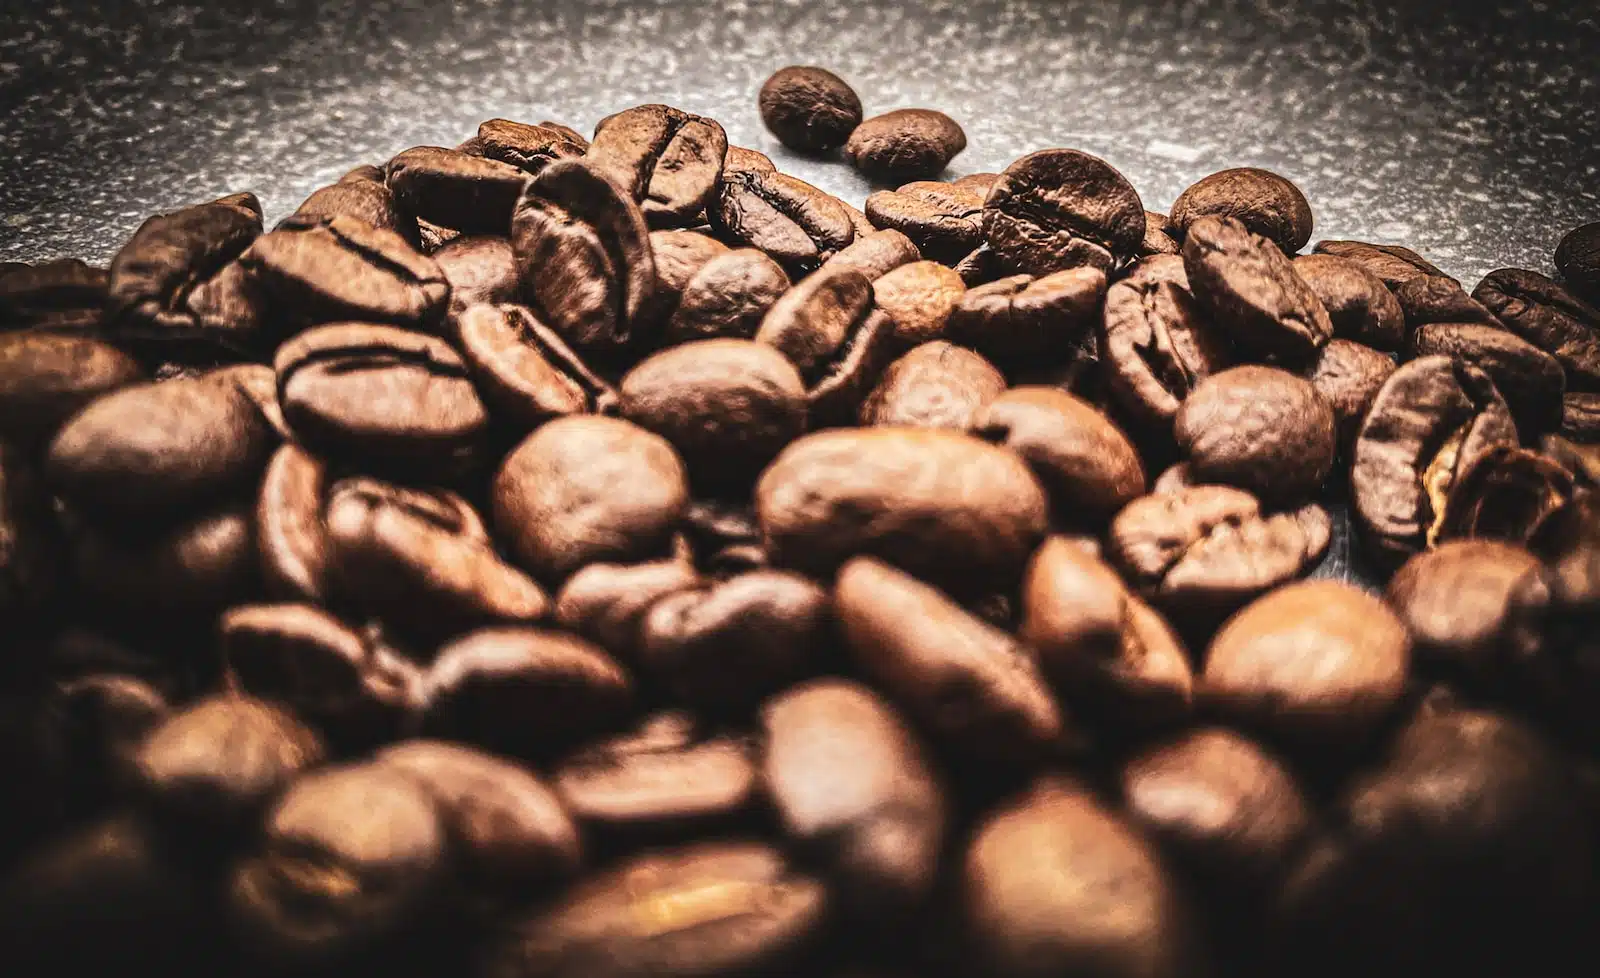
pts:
[809, 109]
[1258, 428]
[1531, 381]
[528, 148]
[678, 256]
[1252, 291]
[607, 603]
[1158, 237]
[1359, 305]
[1156, 342]
[743, 158]
[1548, 316]
[1455, 600]
[1349, 375]
[827, 327]
[667, 160]
[64, 294]
[968, 683]
[876, 254]
[197, 566]
[1262, 201]
[45, 379]
[936, 385]
[918, 299]
[466, 193]
[480, 268]
[1392, 264]
[1506, 493]
[728, 297]
[796, 224]
[906, 144]
[944, 220]
[1314, 661]
[1440, 299]
[524, 369]
[1020, 318]
[363, 195]
[1058, 209]
[94, 727]
[1578, 259]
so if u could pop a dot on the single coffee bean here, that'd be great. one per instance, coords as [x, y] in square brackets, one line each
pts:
[668, 160]
[827, 327]
[362, 195]
[527, 147]
[1580, 416]
[1349, 375]
[1319, 662]
[214, 766]
[1392, 264]
[970, 684]
[743, 158]
[479, 268]
[726, 645]
[389, 396]
[1506, 493]
[507, 827]
[664, 781]
[728, 297]
[1157, 342]
[709, 910]
[936, 385]
[1102, 648]
[586, 489]
[607, 603]
[678, 256]
[523, 692]
[906, 144]
[583, 253]
[1020, 318]
[942, 505]
[1052, 883]
[1206, 550]
[809, 109]
[1455, 600]
[1548, 316]
[852, 785]
[1258, 428]
[728, 406]
[1440, 299]
[944, 220]
[46, 378]
[1158, 237]
[469, 194]
[197, 566]
[1252, 291]
[918, 299]
[349, 865]
[1531, 381]
[1058, 209]
[524, 369]
[877, 254]
[1431, 418]
[65, 294]
[796, 224]
[1265, 203]
[1359, 305]
[1577, 257]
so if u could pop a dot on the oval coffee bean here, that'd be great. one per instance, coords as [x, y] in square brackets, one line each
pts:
[524, 368]
[1440, 299]
[944, 220]
[1252, 291]
[906, 144]
[1456, 601]
[1349, 375]
[666, 159]
[942, 505]
[1578, 259]
[527, 147]
[799, 226]
[64, 294]
[876, 254]
[1392, 264]
[678, 256]
[1262, 201]
[1156, 341]
[827, 327]
[479, 268]
[1359, 305]
[1531, 381]
[1548, 316]
[45, 379]
[362, 195]
[1258, 428]
[1059, 208]
[918, 299]
[936, 385]
[1019, 318]
[607, 603]
[728, 297]
[465, 193]
[809, 109]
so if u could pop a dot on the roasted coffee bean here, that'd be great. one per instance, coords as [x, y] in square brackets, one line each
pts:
[827, 327]
[465, 193]
[678, 256]
[583, 252]
[918, 299]
[1209, 549]
[799, 226]
[709, 910]
[906, 144]
[508, 829]
[1019, 318]
[349, 865]
[1220, 806]
[809, 109]
[94, 727]
[523, 692]
[197, 566]
[852, 786]
[1053, 884]
[727, 645]
[1531, 381]
[1087, 466]
[858, 219]
[526, 147]
[607, 603]
[728, 406]
[1431, 418]
[936, 385]
[31, 561]
[1058, 209]
[1455, 600]
[388, 396]
[728, 297]
[1548, 316]
[1349, 375]
[1265, 203]
[353, 688]
[1505, 493]
[214, 766]
[1258, 428]
[1359, 305]
[877, 254]
[342, 268]
[1156, 341]
[666, 159]
[479, 268]
[1577, 257]
[1580, 416]
[1252, 291]
[1392, 264]
[64, 294]
[1157, 237]
[944, 220]
[661, 782]
[586, 489]
[743, 158]
[942, 505]
[971, 685]
[363, 195]
[1440, 299]
[1317, 662]
[524, 369]
[1103, 649]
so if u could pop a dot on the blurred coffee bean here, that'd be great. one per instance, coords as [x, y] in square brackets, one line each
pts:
[607, 603]
[1505, 493]
[65, 294]
[936, 385]
[195, 567]
[46, 378]
[479, 268]
[362, 195]
[1455, 601]
[1578, 259]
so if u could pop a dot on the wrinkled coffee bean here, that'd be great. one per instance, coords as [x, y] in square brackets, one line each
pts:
[906, 144]
[524, 369]
[527, 147]
[1359, 305]
[1258, 428]
[362, 195]
[828, 328]
[465, 193]
[666, 159]
[1392, 264]
[797, 225]
[1548, 316]
[1058, 209]
[809, 109]
[1265, 203]
[1019, 317]
[1349, 375]
[918, 299]
[876, 254]
[728, 297]
[1530, 380]
[1156, 341]
[64, 294]
[1440, 299]
[481, 268]
[1455, 601]
[1252, 292]
[1157, 239]
[1578, 259]
[936, 385]
[1505, 493]
[944, 220]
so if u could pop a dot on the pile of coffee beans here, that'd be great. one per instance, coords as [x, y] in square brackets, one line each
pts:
[556, 557]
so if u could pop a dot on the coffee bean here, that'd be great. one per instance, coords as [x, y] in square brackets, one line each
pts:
[827, 327]
[197, 566]
[1431, 418]
[678, 256]
[607, 603]
[944, 220]
[796, 224]
[1580, 416]
[527, 147]
[1530, 380]
[1349, 375]
[46, 379]
[1505, 493]
[852, 785]
[481, 268]
[524, 369]
[668, 160]
[1157, 343]
[1578, 259]
[1157, 239]
[1548, 316]
[1058, 209]
[940, 504]
[906, 144]
[728, 297]
[1252, 291]
[936, 385]
[64, 294]
[1265, 203]
[1455, 600]
[363, 195]
[876, 254]
[1258, 428]
[1021, 318]
[1359, 305]
[809, 109]
[1317, 662]
[1392, 264]
[469, 194]
[1439, 299]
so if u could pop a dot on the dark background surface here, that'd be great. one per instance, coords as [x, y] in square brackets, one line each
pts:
[1470, 134]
